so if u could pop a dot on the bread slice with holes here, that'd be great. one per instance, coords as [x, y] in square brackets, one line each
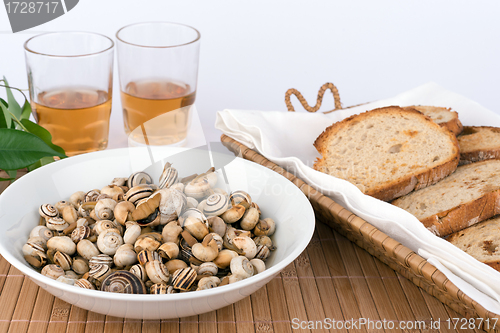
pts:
[468, 196]
[479, 143]
[444, 117]
[481, 241]
[387, 152]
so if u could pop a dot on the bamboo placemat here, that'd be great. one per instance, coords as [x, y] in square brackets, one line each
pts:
[333, 278]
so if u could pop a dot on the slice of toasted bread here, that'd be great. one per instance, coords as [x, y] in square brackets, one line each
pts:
[442, 116]
[481, 241]
[479, 143]
[387, 152]
[468, 196]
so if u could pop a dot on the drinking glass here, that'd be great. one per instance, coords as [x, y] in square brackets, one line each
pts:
[70, 76]
[158, 71]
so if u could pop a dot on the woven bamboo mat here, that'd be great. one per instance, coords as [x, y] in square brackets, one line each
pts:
[333, 279]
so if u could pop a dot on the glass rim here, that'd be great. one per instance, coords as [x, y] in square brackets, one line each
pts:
[27, 49]
[198, 35]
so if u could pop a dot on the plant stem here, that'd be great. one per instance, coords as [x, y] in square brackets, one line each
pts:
[18, 122]
[3, 85]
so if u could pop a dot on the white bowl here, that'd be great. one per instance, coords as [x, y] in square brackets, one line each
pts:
[277, 197]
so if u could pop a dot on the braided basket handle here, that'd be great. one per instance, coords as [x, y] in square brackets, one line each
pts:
[319, 100]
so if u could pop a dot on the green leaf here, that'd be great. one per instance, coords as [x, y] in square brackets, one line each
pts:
[14, 106]
[26, 112]
[42, 133]
[19, 149]
[5, 119]
[41, 162]
[11, 173]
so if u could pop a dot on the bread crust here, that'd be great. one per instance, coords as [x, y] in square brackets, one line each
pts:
[403, 185]
[454, 125]
[458, 218]
[480, 154]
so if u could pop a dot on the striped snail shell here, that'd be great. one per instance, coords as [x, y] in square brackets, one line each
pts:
[138, 178]
[184, 278]
[85, 284]
[138, 192]
[215, 205]
[48, 211]
[80, 233]
[158, 289]
[91, 195]
[123, 282]
[52, 271]
[99, 273]
[101, 259]
[263, 252]
[169, 176]
[240, 197]
[56, 223]
[157, 272]
[145, 256]
[139, 271]
[63, 259]
[104, 209]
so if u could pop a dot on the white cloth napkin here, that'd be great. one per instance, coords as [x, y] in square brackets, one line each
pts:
[286, 138]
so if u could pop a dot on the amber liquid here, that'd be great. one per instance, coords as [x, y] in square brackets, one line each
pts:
[77, 118]
[157, 112]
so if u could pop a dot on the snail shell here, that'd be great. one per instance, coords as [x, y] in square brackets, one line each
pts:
[145, 256]
[184, 278]
[69, 214]
[115, 192]
[109, 241]
[263, 252]
[77, 198]
[233, 214]
[48, 211]
[52, 271]
[208, 282]
[103, 225]
[198, 188]
[91, 195]
[146, 243]
[104, 209]
[31, 248]
[123, 282]
[123, 211]
[41, 231]
[86, 208]
[125, 256]
[80, 233]
[61, 204]
[56, 223]
[101, 259]
[138, 178]
[138, 192]
[63, 244]
[63, 260]
[265, 227]
[250, 219]
[175, 264]
[87, 249]
[240, 198]
[171, 204]
[258, 266]
[80, 265]
[215, 205]
[157, 272]
[168, 250]
[245, 246]
[195, 222]
[132, 232]
[224, 258]
[169, 176]
[158, 289]
[191, 202]
[241, 267]
[85, 284]
[99, 273]
[119, 181]
[139, 271]
[171, 232]
[217, 225]
[207, 269]
[37, 259]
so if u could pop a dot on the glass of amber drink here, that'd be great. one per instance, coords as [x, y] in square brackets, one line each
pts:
[70, 76]
[158, 70]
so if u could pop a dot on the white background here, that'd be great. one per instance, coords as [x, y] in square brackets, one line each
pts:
[253, 51]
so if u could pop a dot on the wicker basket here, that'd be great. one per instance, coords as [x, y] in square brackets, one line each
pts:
[394, 254]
